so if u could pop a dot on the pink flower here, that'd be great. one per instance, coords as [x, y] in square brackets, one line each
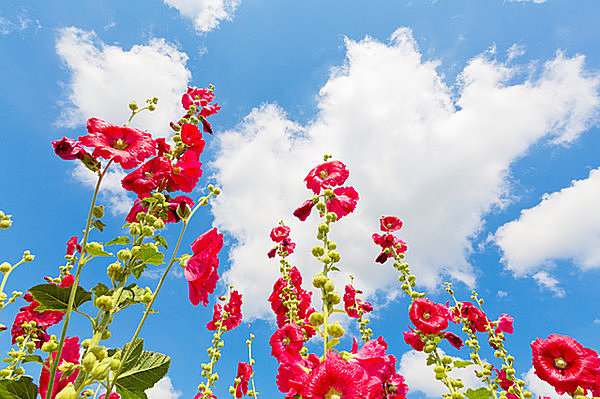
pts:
[191, 135]
[373, 359]
[304, 210]
[397, 387]
[328, 174]
[335, 376]
[390, 223]
[201, 269]
[162, 147]
[505, 324]
[413, 339]
[564, 363]
[388, 241]
[244, 373]
[72, 245]
[185, 173]
[280, 233]
[113, 395]
[278, 296]
[125, 145]
[152, 174]
[454, 339]
[476, 317]
[427, 316]
[353, 304]
[68, 149]
[70, 353]
[344, 201]
[233, 308]
[286, 343]
[174, 204]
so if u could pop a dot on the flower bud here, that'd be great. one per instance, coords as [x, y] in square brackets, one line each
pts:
[86, 343]
[124, 255]
[105, 335]
[333, 298]
[335, 330]
[27, 257]
[151, 107]
[329, 286]
[446, 359]
[335, 256]
[98, 211]
[320, 206]
[328, 192]
[133, 106]
[134, 229]
[135, 249]
[100, 352]
[319, 281]
[318, 251]
[183, 210]
[100, 371]
[104, 303]
[5, 267]
[49, 346]
[5, 224]
[68, 392]
[439, 369]
[115, 364]
[115, 271]
[159, 224]
[316, 319]
[331, 217]
[147, 231]
[88, 362]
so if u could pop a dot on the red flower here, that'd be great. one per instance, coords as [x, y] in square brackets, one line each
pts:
[328, 174]
[70, 353]
[244, 373]
[113, 395]
[335, 376]
[344, 201]
[278, 297]
[174, 204]
[397, 387]
[454, 339]
[280, 233]
[186, 173]
[352, 304]
[304, 210]
[564, 363]
[190, 135]
[476, 317]
[125, 145]
[373, 359]
[503, 380]
[69, 149]
[390, 223]
[505, 324]
[388, 241]
[286, 343]
[72, 245]
[427, 316]
[162, 147]
[413, 339]
[153, 174]
[201, 268]
[198, 97]
[233, 308]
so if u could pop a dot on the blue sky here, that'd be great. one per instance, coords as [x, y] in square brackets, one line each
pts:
[474, 122]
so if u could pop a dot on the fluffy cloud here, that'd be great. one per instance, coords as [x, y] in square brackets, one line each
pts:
[112, 194]
[205, 14]
[104, 79]
[163, 390]
[412, 151]
[420, 377]
[564, 225]
[539, 387]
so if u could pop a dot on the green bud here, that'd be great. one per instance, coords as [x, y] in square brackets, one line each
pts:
[88, 362]
[49, 346]
[332, 245]
[104, 303]
[98, 211]
[86, 343]
[5, 224]
[134, 229]
[124, 255]
[5, 267]
[331, 217]
[27, 257]
[133, 106]
[159, 224]
[328, 192]
[320, 206]
[105, 335]
[115, 271]
[324, 228]
[95, 246]
[4, 373]
[579, 391]
[335, 330]
[335, 257]
[183, 210]
[333, 298]
[68, 392]
[439, 369]
[100, 352]
[115, 364]
[329, 286]
[100, 371]
[446, 359]
[151, 107]
[316, 319]
[319, 281]
[147, 231]
[217, 191]
[146, 298]
[318, 251]
[528, 394]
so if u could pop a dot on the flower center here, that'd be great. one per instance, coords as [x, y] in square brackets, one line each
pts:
[286, 341]
[323, 174]
[333, 394]
[426, 316]
[120, 144]
[149, 174]
[560, 363]
[389, 225]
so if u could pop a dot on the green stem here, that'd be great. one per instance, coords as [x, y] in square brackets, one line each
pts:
[74, 286]
[5, 279]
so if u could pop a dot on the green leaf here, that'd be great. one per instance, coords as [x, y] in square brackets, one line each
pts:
[481, 393]
[119, 241]
[131, 294]
[99, 225]
[126, 394]
[431, 359]
[149, 200]
[24, 388]
[150, 254]
[99, 290]
[96, 249]
[32, 359]
[462, 363]
[139, 269]
[141, 369]
[332, 342]
[160, 240]
[53, 297]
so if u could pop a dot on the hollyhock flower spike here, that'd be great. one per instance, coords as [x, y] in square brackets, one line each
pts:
[201, 269]
[328, 174]
[564, 363]
[244, 373]
[125, 145]
[233, 309]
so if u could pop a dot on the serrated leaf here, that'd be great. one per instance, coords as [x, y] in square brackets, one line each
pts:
[149, 368]
[99, 290]
[160, 240]
[138, 270]
[24, 388]
[481, 393]
[32, 359]
[431, 359]
[118, 241]
[126, 394]
[149, 254]
[131, 358]
[99, 225]
[131, 294]
[462, 363]
[53, 297]
[97, 250]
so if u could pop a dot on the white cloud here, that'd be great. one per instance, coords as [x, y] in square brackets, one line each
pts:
[420, 377]
[163, 390]
[19, 24]
[105, 78]
[502, 294]
[410, 152]
[545, 280]
[205, 14]
[564, 225]
[539, 387]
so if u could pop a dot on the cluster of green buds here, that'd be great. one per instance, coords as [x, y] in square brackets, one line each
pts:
[26, 345]
[5, 221]
[150, 106]
[214, 353]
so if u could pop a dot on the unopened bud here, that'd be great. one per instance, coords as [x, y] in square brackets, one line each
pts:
[68, 392]
[5, 224]
[124, 255]
[27, 257]
[133, 106]
[147, 231]
[335, 330]
[98, 211]
[104, 303]
[5, 267]
[318, 251]
[329, 286]
[319, 281]
[316, 319]
[88, 362]
[333, 298]
[183, 210]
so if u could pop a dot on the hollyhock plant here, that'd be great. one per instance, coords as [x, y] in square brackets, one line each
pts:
[70, 354]
[335, 377]
[326, 175]
[564, 363]
[244, 373]
[201, 269]
[427, 316]
[125, 145]
[280, 233]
